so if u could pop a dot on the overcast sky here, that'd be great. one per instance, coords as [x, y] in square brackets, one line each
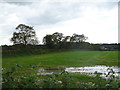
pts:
[96, 20]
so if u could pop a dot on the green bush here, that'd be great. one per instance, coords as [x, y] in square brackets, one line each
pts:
[57, 80]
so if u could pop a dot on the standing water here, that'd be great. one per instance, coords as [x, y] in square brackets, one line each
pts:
[89, 70]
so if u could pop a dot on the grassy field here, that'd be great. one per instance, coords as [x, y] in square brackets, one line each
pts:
[26, 76]
[68, 58]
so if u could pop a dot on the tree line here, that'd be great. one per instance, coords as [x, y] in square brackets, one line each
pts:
[26, 35]
[25, 40]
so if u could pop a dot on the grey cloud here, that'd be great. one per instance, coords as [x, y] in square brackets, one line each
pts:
[40, 13]
[61, 11]
[42, 20]
[55, 13]
[20, 3]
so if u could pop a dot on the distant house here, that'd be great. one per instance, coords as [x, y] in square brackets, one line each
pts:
[103, 48]
[111, 47]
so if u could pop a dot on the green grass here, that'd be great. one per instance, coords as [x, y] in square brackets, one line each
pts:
[65, 59]
[58, 60]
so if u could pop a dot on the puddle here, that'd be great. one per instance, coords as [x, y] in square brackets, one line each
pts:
[48, 71]
[104, 70]
[89, 70]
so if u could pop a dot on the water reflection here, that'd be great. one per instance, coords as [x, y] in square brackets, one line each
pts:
[89, 70]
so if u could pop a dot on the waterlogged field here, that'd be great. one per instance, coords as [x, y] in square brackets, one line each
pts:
[65, 59]
[29, 71]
